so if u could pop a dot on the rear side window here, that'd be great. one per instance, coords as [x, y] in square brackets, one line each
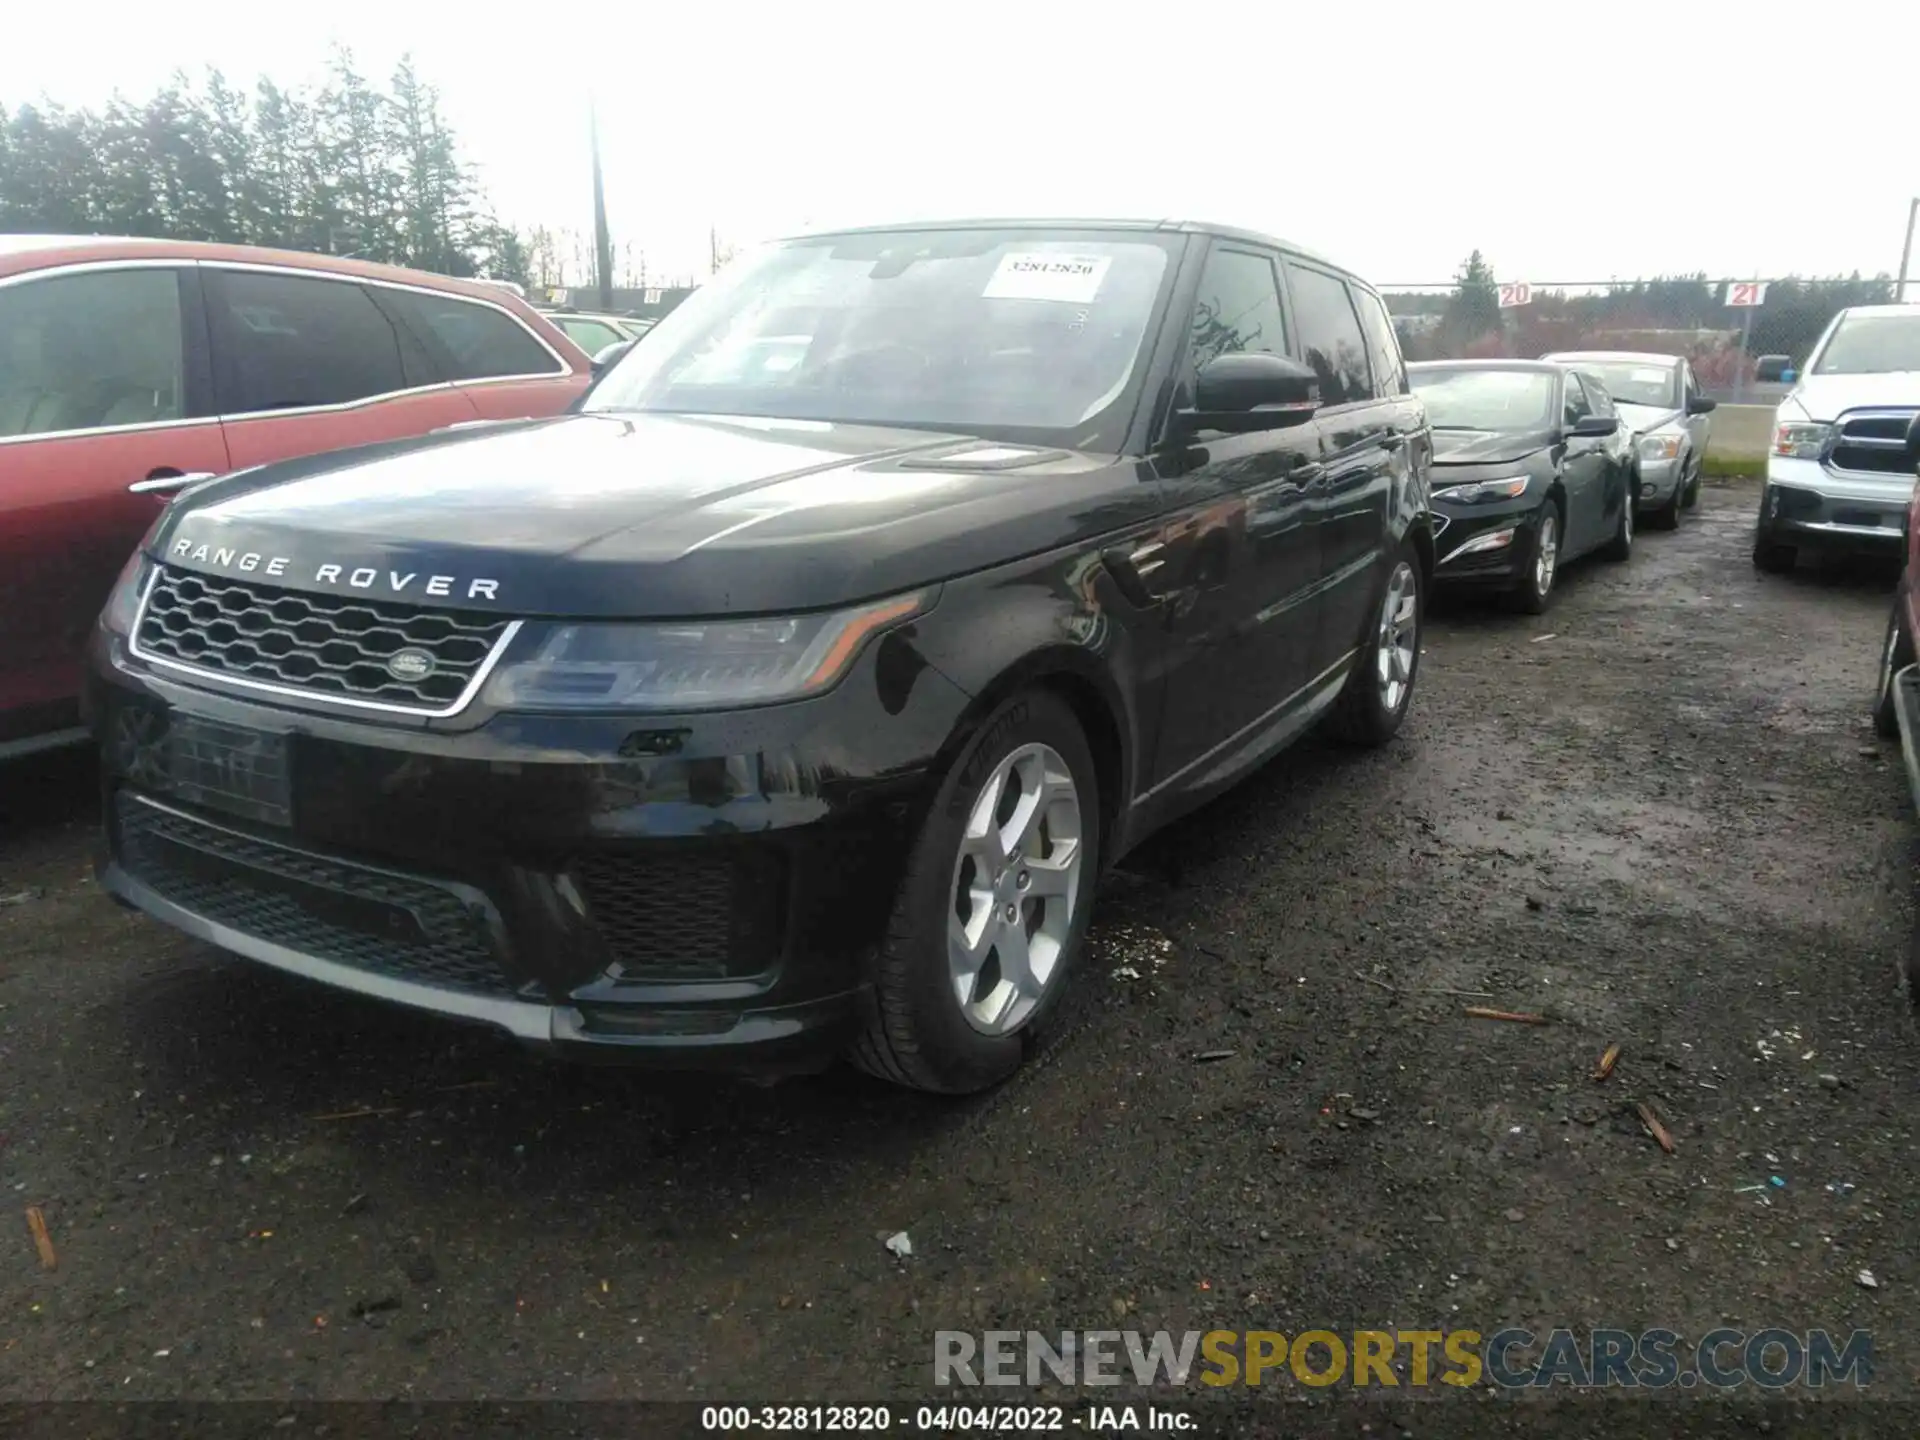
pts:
[91, 351]
[1330, 336]
[1383, 346]
[473, 341]
[1238, 307]
[289, 342]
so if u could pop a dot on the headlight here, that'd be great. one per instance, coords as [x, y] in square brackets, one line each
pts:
[1505, 489]
[693, 664]
[1801, 441]
[1660, 447]
[123, 605]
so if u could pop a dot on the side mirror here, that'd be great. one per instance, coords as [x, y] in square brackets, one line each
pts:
[1595, 427]
[1244, 393]
[1701, 405]
[610, 356]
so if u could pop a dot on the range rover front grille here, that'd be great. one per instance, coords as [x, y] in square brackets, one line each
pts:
[322, 645]
[1873, 442]
[402, 926]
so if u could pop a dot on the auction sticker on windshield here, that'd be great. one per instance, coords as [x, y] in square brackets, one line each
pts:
[1072, 279]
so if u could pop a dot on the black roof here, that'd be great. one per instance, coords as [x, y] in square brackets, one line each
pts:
[1032, 222]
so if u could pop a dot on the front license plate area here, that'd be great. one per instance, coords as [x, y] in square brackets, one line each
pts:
[231, 768]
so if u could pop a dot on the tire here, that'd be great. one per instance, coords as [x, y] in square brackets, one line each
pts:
[1620, 546]
[1535, 591]
[1896, 653]
[918, 1033]
[1374, 700]
[1772, 557]
[1693, 487]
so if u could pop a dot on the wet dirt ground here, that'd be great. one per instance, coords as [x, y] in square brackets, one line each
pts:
[1656, 815]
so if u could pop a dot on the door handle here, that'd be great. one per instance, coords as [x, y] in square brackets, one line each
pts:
[161, 484]
[1394, 440]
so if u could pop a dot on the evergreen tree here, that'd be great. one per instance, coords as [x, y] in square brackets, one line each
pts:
[1473, 310]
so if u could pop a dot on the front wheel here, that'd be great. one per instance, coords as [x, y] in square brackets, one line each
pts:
[1620, 546]
[1896, 653]
[1380, 686]
[993, 906]
[1535, 590]
[1771, 557]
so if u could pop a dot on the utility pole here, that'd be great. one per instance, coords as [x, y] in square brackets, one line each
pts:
[1906, 250]
[602, 240]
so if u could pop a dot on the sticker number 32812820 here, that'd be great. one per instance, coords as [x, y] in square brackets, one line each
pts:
[1071, 279]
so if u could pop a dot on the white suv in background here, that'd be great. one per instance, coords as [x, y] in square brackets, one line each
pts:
[1837, 472]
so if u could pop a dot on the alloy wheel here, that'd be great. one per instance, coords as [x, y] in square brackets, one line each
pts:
[1399, 635]
[1016, 884]
[1546, 554]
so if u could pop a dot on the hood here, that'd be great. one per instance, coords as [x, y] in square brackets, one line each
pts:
[1645, 419]
[1826, 397]
[1487, 447]
[646, 515]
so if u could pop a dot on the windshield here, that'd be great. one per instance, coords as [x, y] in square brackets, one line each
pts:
[1486, 399]
[1869, 344]
[1631, 383]
[1030, 334]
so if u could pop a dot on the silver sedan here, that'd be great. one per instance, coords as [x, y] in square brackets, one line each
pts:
[1661, 403]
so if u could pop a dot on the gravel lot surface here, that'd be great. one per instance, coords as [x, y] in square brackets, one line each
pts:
[1656, 815]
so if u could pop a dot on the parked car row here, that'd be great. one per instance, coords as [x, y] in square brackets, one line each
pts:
[788, 697]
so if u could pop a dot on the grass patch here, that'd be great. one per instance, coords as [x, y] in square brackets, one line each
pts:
[1729, 468]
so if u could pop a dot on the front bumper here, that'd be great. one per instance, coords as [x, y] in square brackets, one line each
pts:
[1465, 543]
[1805, 503]
[695, 890]
[1658, 480]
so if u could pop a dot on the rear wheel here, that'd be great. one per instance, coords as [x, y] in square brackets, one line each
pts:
[1896, 653]
[1380, 686]
[1535, 591]
[993, 907]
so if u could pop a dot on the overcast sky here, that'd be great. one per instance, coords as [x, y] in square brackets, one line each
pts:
[1569, 142]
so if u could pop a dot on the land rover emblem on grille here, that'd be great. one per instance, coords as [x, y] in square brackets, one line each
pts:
[410, 665]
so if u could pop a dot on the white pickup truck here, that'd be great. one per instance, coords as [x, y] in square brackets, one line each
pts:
[1837, 472]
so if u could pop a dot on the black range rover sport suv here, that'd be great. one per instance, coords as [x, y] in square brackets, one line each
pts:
[788, 698]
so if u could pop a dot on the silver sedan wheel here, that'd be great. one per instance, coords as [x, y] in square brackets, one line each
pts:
[1016, 884]
[1546, 555]
[1399, 634]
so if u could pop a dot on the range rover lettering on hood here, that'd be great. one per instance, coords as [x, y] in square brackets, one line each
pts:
[366, 578]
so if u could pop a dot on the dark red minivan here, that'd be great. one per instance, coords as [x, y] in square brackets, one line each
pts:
[129, 368]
